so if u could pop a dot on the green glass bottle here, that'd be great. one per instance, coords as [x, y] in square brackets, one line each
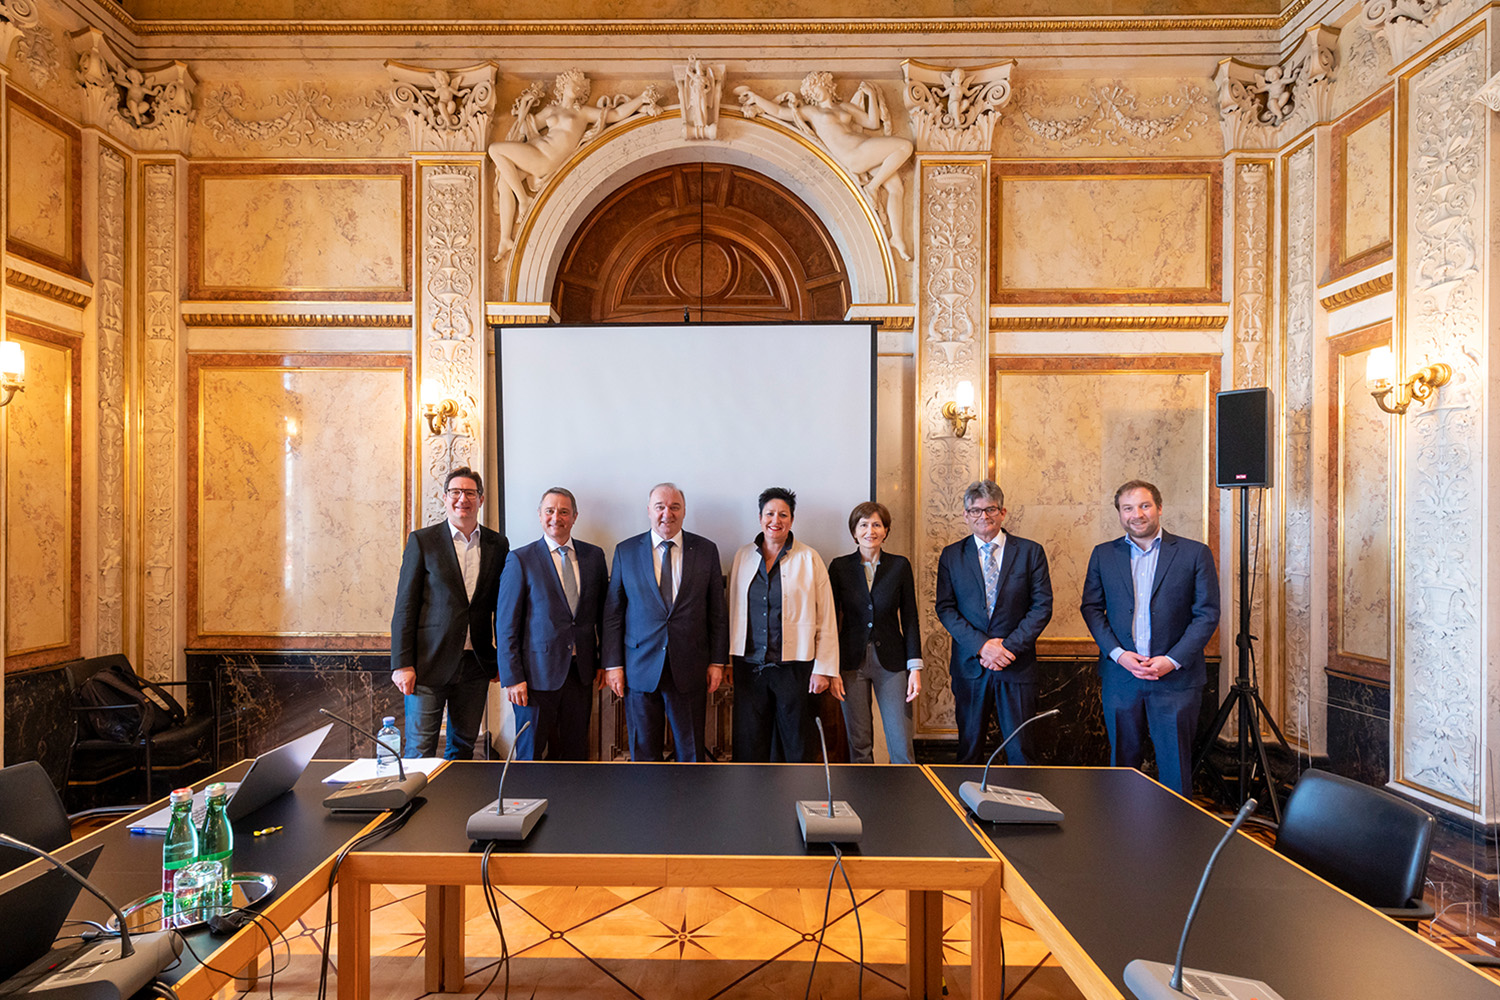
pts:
[180, 849]
[216, 842]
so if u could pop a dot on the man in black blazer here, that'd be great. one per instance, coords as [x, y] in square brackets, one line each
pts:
[442, 629]
[1151, 600]
[547, 624]
[994, 596]
[666, 630]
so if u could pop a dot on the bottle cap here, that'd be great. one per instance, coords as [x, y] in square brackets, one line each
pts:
[217, 790]
[389, 720]
[181, 795]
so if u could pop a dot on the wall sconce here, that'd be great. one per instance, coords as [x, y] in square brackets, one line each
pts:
[1380, 371]
[12, 370]
[960, 409]
[439, 412]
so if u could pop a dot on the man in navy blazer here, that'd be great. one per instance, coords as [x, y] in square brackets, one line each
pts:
[547, 622]
[442, 628]
[1151, 600]
[666, 630]
[994, 596]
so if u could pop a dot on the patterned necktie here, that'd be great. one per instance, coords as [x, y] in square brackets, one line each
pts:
[664, 582]
[991, 577]
[569, 581]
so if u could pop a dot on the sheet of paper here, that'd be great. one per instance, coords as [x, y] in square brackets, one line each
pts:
[364, 769]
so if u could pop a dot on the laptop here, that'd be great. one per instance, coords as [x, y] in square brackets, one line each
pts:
[273, 773]
[32, 913]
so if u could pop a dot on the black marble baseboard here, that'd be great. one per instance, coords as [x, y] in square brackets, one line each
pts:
[39, 719]
[1359, 730]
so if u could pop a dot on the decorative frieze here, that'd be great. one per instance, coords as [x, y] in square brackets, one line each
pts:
[109, 583]
[306, 116]
[1044, 117]
[314, 321]
[1104, 324]
[446, 110]
[1255, 101]
[1358, 293]
[149, 108]
[953, 109]
[700, 88]
[47, 289]
[856, 133]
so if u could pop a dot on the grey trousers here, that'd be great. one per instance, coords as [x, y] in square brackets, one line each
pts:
[889, 688]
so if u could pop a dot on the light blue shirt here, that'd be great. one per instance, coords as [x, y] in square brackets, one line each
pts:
[1143, 575]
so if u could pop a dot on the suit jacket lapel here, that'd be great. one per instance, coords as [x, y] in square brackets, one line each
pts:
[448, 558]
[881, 569]
[1163, 560]
[548, 568]
[649, 554]
[1120, 552]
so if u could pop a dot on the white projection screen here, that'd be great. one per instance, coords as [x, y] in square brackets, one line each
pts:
[722, 410]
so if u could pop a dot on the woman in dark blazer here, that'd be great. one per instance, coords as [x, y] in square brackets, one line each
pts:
[880, 645]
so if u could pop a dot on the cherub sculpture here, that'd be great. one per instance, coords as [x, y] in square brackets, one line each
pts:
[844, 128]
[540, 142]
[135, 96]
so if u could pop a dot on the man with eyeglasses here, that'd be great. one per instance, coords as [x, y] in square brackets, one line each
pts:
[994, 596]
[442, 630]
[547, 633]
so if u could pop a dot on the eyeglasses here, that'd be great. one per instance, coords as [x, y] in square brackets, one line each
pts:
[463, 494]
[982, 511]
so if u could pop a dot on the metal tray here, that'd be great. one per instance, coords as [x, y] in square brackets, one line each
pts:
[144, 915]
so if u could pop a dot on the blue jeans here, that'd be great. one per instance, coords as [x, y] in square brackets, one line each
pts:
[464, 700]
[889, 688]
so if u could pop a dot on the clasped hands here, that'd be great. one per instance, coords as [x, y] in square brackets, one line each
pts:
[994, 656]
[1147, 668]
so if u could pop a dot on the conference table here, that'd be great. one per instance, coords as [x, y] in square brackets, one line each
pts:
[300, 856]
[638, 824]
[1114, 881]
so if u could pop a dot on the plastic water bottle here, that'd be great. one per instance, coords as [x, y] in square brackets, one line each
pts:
[216, 843]
[385, 760]
[180, 849]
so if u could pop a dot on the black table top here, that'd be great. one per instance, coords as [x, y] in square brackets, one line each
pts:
[130, 865]
[690, 810]
[1119, 874]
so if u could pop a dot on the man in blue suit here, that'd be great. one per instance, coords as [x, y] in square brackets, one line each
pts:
[994, 596]
[666, 630]
[1151, 600]
[547, 621]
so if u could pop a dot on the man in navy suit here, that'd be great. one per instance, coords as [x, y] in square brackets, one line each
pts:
[547, 623]
[994, 596]
[1151, 600]
[666, 630]
[442, 628]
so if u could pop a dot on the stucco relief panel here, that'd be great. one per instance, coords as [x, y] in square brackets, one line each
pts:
[1065, 440]
[109, 543]
[41, 490]
[1440, 705]
[1364, 65]
[1081, 118]
[260, 117]
[160, 408]
[325, 561]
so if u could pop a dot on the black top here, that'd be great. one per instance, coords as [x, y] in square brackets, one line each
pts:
[689, 809]
[882, 614]
[763, 608]
[1120, 871]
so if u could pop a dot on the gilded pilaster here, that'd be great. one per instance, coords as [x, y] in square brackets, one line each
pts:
[951, 345]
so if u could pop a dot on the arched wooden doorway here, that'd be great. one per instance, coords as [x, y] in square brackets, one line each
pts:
[724, 242]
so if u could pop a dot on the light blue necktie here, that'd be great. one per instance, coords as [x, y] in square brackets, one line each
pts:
[991, 577]
[569, 581]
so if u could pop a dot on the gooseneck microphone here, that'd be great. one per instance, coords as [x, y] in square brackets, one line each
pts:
[502, 820]
[1159, 981]
[96, 972]
[1008, 805]
[827, 822]
[375, 794]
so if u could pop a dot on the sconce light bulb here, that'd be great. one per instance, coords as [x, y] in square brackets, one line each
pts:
[12, 360]
[963, 395]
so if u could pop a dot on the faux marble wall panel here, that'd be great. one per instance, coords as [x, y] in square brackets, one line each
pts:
[1364, 511]
[895, 448]
[1065, 440]
[1360, 185]
[294, 231]
[1074, 233]
[43, 169]
[301, 475]
[41, 596]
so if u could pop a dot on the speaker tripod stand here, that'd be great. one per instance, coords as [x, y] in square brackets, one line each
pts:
[1244, 695]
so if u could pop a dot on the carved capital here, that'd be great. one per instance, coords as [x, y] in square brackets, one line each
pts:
[955, 109]
[1489, 94]
[1256, 100]
[700, 87]
[150, 108]
[448, 111]
[1408, 24]
[16, 17]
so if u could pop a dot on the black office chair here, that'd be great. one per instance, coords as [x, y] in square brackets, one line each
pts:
[102, 753]
[1368, 842]
[30, 811]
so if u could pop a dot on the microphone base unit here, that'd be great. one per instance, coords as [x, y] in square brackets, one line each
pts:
[97, 972]
[843, 827]
[1007, 805]
[1153, 981]
[377, 794]
[516, 823]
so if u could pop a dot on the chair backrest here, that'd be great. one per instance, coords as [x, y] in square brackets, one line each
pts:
[1368, 842]
[30, 810]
